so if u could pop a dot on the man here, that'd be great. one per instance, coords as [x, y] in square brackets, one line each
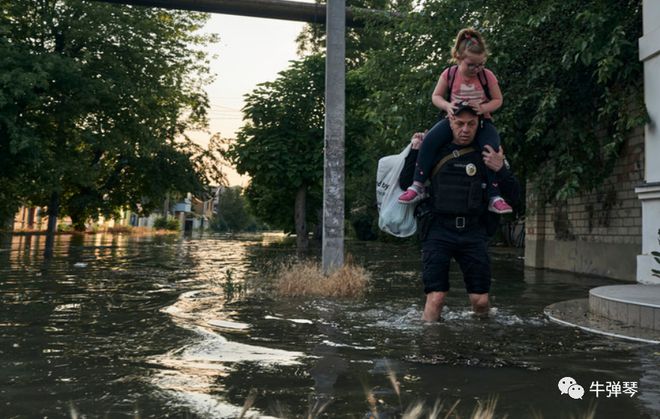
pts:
[454, 221]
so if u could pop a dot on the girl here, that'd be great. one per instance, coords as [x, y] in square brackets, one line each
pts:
[467, 81]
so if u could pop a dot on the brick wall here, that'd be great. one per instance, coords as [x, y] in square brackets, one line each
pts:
[597, 233]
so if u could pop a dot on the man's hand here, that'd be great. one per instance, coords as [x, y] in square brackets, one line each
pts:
[493, 160]
[417, 139]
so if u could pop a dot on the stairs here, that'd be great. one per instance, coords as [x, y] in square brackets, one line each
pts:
[623, 311]
[634, 305]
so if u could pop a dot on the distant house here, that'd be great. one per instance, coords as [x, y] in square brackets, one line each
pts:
[193, 213]
[203, 211]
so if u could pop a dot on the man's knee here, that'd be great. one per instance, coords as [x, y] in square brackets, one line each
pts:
[479, 303]
[436, 298]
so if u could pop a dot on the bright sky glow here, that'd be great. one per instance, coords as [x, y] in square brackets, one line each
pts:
[251, 51]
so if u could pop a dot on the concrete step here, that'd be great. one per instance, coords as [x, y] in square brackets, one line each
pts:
[635, 305]
[576, 313]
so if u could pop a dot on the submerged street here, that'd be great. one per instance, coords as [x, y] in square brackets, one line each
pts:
[155, 326]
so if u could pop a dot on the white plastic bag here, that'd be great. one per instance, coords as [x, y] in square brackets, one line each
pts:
[393, 217]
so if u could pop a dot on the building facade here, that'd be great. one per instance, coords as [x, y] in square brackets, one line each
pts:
[613, 231]
[599, 233]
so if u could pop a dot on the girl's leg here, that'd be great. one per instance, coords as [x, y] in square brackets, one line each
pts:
[437, 137]
[488, 135]
[434, 140]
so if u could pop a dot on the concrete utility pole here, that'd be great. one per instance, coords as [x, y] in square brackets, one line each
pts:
[335, 107]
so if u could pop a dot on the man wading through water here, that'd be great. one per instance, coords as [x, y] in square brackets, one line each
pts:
[454, 222]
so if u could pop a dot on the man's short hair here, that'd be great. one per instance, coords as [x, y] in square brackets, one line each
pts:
[465, 107]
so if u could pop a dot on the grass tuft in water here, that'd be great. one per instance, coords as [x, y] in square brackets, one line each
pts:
[316, 409]
[249, 402]
[485, 410]
[419, 410]
[73, 412]
[306, 278]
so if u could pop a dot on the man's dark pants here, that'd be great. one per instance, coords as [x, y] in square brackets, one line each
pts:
[468, 245]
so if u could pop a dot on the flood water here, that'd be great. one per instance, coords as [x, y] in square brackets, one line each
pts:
[151, 327]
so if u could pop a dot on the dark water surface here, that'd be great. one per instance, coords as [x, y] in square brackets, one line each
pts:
[151, 327]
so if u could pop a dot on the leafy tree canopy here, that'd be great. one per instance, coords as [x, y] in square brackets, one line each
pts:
[94, 99]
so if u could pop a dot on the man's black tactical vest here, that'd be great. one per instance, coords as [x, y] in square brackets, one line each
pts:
[458, 184]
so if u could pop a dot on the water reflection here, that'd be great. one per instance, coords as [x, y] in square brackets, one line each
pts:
[172, 326]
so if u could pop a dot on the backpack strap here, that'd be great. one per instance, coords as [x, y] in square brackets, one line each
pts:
[451, 76]
[483, 79]
[453, 155]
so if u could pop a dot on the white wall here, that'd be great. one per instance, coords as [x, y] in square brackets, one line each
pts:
[649, 193]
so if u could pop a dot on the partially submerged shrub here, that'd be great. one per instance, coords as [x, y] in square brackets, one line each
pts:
[120, 229]
[64, 228]
[307, 279]
[163, 223]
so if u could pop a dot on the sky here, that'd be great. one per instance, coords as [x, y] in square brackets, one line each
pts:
[251, 51]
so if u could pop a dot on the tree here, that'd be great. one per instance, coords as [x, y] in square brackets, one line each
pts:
[233, 213]
[94, 99]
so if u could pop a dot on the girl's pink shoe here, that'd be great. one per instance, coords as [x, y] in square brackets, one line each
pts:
[498, 206]
[410, 196]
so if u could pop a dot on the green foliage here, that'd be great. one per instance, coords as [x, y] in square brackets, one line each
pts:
[569, 71]
[359, 41]
[160, 223]
[233, 213]
[94, 99]
[164, 223]
[230, 286]
[364, 226]
[64, 228]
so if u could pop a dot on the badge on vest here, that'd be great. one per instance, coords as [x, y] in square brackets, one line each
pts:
[471, 169]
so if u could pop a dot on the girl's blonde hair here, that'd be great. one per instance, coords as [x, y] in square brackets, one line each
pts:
[468, 39]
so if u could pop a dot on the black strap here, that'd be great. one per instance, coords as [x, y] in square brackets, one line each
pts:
[453, 155]
[483, 79]
[451, 75]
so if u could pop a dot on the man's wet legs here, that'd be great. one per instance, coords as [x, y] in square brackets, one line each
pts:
[435, 300]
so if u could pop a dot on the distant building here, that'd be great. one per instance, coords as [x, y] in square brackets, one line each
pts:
[193, 213]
